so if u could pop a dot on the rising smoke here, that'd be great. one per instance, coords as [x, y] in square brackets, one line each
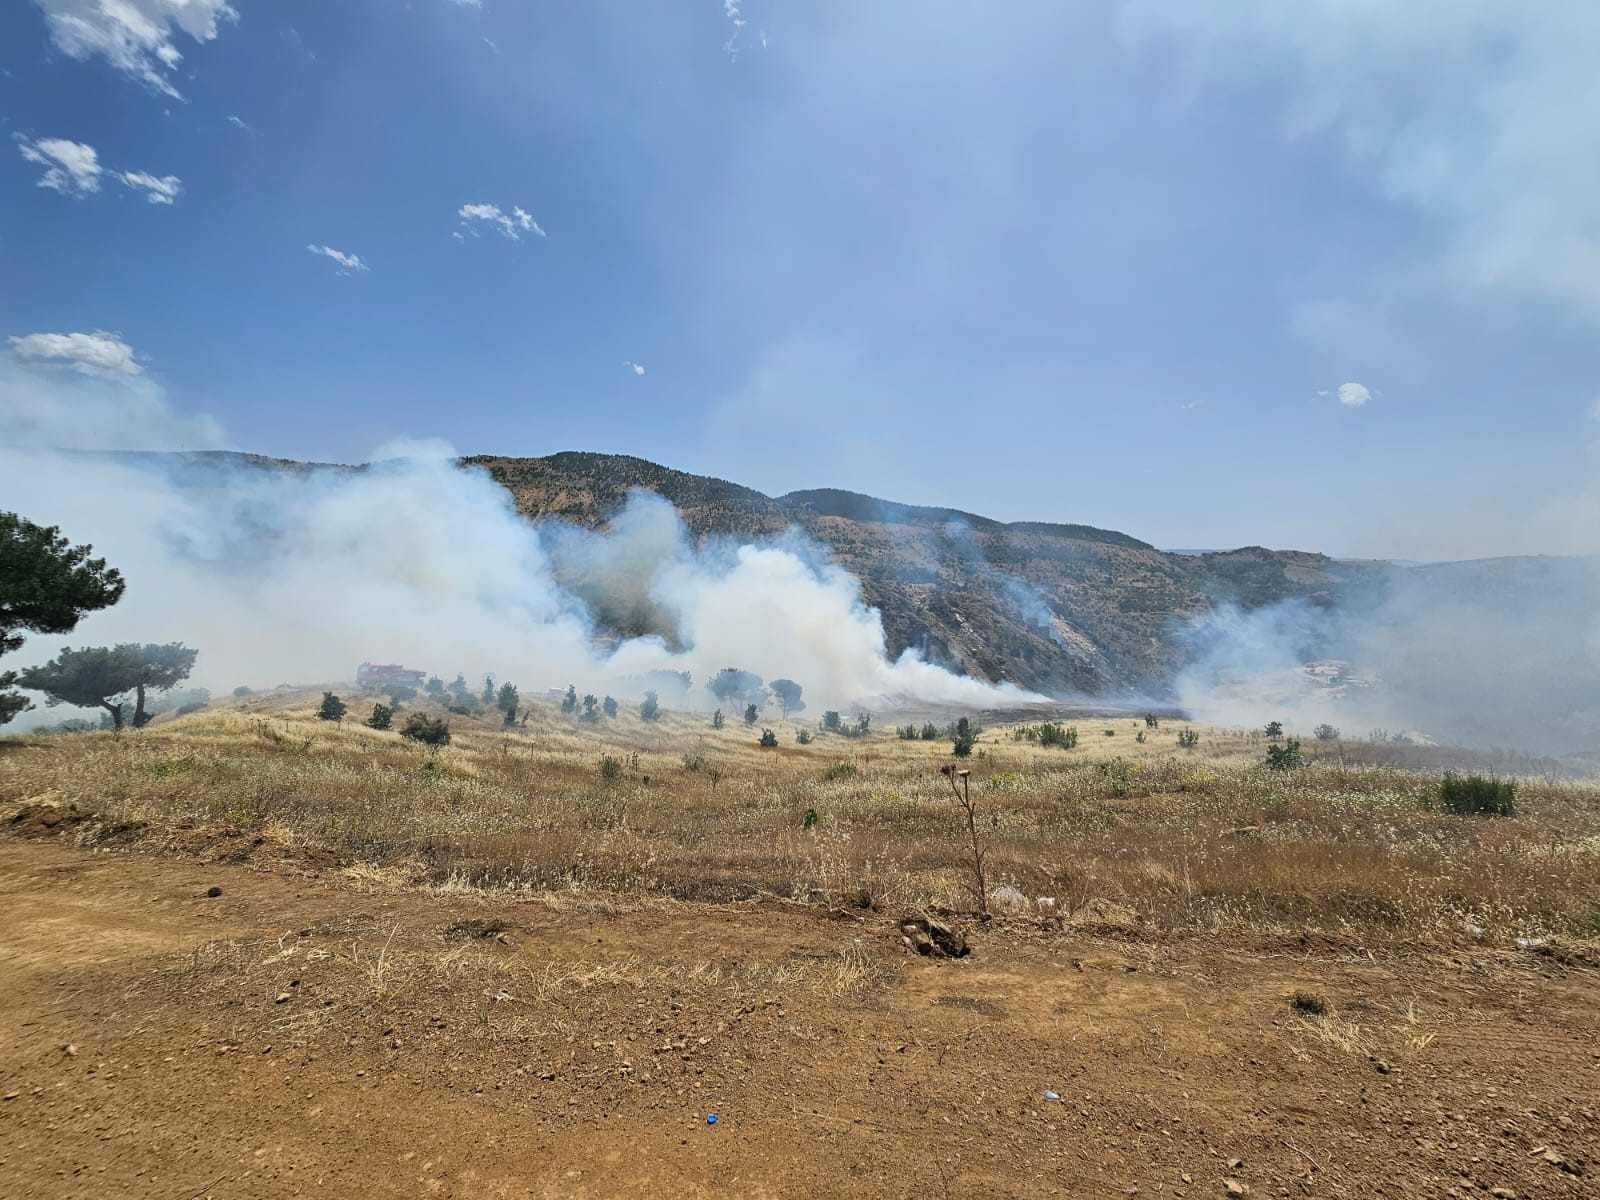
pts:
[294, 576]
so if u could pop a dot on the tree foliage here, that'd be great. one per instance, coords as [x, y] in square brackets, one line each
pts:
[609, 706]
[429, 731]
[788, 693]
[382, 716]
[650, 708]
[46, 586]
[506, 700]
[332, 708]
[102, 676]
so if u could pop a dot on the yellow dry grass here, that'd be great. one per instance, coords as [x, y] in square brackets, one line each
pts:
[1116, 830]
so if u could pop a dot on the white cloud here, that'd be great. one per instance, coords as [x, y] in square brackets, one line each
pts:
[1352, 395]
[101, 354]
[239, 122]
[350, 262]
[71, 168]
[162, 190]
[512, 225]
[636, 368]
[1480, 115]
[134, 36]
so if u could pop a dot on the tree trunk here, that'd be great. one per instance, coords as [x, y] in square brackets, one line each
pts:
[140, 720]
[116, 714]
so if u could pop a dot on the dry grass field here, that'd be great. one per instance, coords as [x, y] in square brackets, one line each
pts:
[505, 969]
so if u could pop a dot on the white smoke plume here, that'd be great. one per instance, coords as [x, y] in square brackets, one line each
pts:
[294, 576]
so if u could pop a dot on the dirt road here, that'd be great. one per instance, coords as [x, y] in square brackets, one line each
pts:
[293, 1036]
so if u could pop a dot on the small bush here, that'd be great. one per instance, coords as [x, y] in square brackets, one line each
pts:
[241, 692]
[650, 708]
[831, 722]
[1151, 721]
[1285, 757]
[718, 720]
[1139, 737]
[1052, 734]
[1472, 795]
[610, 768]
[1325, 733]
[961, 745]
[810, 819]
[331, 709]
[695, 762]
[769, 739]
[382, 716]
[751, 712]
[430, 731]
[803, 737]
[1274, 729]
[906, 733]
[1111, 733]
[1188, 738]
[842, 770]
[609, 706]
[930, 732]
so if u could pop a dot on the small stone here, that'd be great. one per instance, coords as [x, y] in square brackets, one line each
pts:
[213, 892]
[1234, 1188]
[282, 998]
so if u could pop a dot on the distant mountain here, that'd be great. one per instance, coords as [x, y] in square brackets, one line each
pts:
[1048, 606]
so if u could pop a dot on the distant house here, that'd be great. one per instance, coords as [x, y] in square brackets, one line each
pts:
[388, 674]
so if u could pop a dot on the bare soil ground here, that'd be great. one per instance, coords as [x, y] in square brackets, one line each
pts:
[295, 1036]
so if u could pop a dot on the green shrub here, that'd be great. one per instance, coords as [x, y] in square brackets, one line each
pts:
[803, 737]
[610, 768]
[331, 709]
[830, 721]
[1188, 738]
[609, 706]
[241, 692]
[650, 708]
[842, 770]
[961, 745]
[1285, 757]
[1052, 734]
[810, 819]
[1326, 733]
[769, 739]
[1475, 794]
[382, 716]
[718, 720]
[906, 733]
[1274, 729]
[930, 732]
[430, 731]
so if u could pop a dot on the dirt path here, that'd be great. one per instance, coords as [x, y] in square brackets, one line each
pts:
[290, 1037]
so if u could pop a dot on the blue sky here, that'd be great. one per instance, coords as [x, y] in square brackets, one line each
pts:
[1101, 262]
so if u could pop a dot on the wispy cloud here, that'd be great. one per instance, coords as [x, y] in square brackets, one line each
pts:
[512, 225]
[134, 36]
[348, 263]
[104, 355]
[239, 122]
[162, 190]
[636, 368]
[1482, 117]
[731, 9]
[71, 168]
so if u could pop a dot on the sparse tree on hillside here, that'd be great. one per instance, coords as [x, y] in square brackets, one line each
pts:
[750, 714]
[240, 692]
[650, 709]
[733, 686]
[609, 706]
[591, 709]
[718, 720]
[46, 586]
[161, 668]
[435, 686]
[1274, 729]
[769, 739]
[507, 700]
[458, 685]
[381, 716]
[570, 704]
[400, 693]
[331, 709]
[831, 722]
[488, 694]
[1326, 733]
[90, 678]
[788, 693]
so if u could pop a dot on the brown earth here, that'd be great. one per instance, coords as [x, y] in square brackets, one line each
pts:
[298, 1036]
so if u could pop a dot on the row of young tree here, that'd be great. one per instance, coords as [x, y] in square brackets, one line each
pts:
[47, 585]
